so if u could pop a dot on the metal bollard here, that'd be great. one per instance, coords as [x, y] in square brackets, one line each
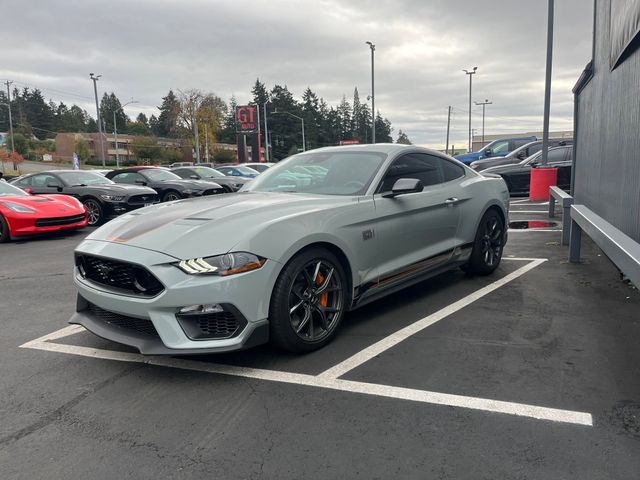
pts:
[552, 206]
[574, 242]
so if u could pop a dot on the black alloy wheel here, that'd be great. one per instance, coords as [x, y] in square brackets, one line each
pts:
[4, 230]
[170, 196]
[308, 301]
[94, 211]
[488, 245]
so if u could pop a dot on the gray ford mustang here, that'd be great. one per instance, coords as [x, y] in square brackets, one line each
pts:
[289, 255]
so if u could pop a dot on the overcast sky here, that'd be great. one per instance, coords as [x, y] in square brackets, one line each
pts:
[143, 48]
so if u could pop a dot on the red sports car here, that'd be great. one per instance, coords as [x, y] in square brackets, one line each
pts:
[23, 214]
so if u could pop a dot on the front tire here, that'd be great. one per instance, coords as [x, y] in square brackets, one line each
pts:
[308, 301]
[488, 245]
[170, 196]
[4, 230]
[95, 213]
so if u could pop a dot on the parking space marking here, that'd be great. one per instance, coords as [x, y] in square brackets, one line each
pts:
[395, 338]
[531, 230]
[528, 211]
[387, 391]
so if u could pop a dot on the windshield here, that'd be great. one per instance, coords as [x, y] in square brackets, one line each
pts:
[246, 170]
[531, 158]
[10, 190]
[159, 175]
[83, 178]
[341, 173]
[206, 172]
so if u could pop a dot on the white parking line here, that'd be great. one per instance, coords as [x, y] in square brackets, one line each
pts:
[531, 230]
[401, 335]
[422, 396]
[329, 380]
[528, 211]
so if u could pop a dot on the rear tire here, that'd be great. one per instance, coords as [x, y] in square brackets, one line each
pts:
[4, 230]
[488, 245]
[308, 301]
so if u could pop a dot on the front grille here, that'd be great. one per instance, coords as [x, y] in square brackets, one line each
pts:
[142, 199]
[123, 276]
[212, 325]
[140, 325]
[58, 221]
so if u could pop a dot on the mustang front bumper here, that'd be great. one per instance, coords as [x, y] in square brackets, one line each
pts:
[152, 324]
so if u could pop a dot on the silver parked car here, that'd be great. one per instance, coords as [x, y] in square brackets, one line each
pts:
[286, 258]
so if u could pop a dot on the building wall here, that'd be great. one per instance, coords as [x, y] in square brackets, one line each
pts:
[607, 165]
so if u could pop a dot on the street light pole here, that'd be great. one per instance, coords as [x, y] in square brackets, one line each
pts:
[304, 145]
[484, 104]
[8, 83]
[471, 73]
[115, 131]
[95, 92]
[446, 150]
[266, 132]
[373, 94]
[547, 85]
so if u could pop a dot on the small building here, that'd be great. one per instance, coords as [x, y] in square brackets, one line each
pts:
[606, 166]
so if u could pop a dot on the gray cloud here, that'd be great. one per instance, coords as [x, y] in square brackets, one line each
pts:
[143, 48]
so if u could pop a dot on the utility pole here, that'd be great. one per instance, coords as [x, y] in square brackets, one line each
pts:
[95, 92]
[547, 85]
[115, 136]
[484, 104]
[266, 132]
[373, 94]
[206, 142]
[446, 151]
[8, 84]
[471, 73]
[197, 137]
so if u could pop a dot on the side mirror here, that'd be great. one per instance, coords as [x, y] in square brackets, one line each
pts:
[404, 186]
[487, 152]
[141, 182]
[28, 190]
[522, 155]
[194, 177]
[54, 185]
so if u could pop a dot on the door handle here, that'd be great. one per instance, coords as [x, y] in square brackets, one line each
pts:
[451, 201]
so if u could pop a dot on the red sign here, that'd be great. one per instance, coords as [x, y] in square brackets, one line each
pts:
[246, 119]
[349, 142]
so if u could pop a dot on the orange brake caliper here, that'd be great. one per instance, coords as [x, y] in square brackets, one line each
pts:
[324, 296]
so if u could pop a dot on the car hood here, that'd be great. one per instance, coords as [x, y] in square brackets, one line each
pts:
[46, 203]
[468, 157]
[209, 225]
[119, 189]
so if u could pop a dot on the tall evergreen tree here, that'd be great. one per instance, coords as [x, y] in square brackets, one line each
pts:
[109, 105]
[169, 116]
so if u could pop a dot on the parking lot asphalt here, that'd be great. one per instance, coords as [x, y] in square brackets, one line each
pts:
[421, 378]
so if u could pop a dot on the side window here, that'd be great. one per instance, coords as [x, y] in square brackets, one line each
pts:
[557, 155]
[450, 170]
[23, 182]
[570, 154]
[519, 143]
[500, 147]
[182, 173]
[534, 149]
[43, 180]
[425, 168]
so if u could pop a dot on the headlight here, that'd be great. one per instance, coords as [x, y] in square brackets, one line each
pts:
[18, 208]
[222, 265]
[112, 198]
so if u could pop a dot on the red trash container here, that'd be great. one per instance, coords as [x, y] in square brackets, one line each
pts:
[541, 179]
